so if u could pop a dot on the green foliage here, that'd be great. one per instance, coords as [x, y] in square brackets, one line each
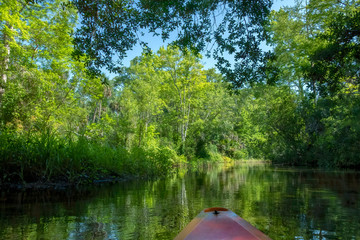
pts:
[212, 153]
[115, 30]
[316, 54]
[240, 155]
[273, 127]
[11, 110]
[336, 63]
[58, 122]
[338, 141]
[48, 157]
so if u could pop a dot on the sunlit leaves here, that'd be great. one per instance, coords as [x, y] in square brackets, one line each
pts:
[40, 63]
[223, 29]
[314, 43]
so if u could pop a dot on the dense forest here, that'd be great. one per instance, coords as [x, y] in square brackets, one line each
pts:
[63, 119]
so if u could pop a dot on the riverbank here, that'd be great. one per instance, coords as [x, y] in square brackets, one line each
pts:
[61, 185]
[86, 181]
[47, 161]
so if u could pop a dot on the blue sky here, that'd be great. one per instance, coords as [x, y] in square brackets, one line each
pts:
[156, 42]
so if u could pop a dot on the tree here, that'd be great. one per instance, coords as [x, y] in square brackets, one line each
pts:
[40, 72]
[140, 95]
[336, 63]
[316, 53]
[111, 28]
[163, 90]
[308, 35]
[215, 129]
[12, 26]
[186, 82]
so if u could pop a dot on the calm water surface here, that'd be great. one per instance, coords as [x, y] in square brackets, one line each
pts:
[284, 203]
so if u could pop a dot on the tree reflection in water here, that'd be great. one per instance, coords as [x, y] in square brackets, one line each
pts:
[284, 203]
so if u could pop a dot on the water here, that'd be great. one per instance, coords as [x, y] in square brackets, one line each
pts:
[284, 203]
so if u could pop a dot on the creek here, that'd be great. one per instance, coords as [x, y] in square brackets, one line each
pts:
[284, 203]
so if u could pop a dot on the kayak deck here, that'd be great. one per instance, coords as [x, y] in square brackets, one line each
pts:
[220, 223]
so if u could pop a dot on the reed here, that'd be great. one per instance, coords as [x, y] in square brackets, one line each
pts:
[46, 156]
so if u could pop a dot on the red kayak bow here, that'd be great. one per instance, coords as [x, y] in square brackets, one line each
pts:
[220, 223]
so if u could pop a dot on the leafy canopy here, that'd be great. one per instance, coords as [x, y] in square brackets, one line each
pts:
[221, 28]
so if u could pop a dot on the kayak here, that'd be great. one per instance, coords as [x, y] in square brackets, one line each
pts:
[220, 223]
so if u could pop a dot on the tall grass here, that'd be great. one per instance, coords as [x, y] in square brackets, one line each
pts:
[46, 156]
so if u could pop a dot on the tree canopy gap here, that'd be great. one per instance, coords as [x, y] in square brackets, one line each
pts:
[220, 27]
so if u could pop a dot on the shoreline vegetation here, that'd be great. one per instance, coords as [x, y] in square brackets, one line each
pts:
[47, 161]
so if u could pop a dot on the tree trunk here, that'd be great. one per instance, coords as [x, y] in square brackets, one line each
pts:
[140, 133]
[94, 116]
[6, 61]
[100, 109]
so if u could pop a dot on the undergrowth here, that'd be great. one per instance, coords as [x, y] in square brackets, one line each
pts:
[46, 157]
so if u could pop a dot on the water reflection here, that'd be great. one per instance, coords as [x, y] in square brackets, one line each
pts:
[283, 203]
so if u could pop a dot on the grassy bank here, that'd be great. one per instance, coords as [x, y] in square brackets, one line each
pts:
[46, 157]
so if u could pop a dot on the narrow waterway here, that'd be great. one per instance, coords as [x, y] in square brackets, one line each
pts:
[284, 203]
